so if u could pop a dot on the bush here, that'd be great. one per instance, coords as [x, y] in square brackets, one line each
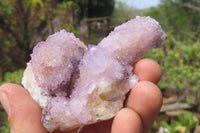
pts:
[12, 77]
[180, 64]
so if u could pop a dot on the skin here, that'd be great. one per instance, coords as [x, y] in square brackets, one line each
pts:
[141, 108]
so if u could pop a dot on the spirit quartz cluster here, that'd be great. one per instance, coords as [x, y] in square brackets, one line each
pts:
[76, 85]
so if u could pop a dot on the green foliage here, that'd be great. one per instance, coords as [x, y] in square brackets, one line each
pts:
[13, 77]
[179, 57]
[69, 5]
[173, 128]
[154, 125]
[4, 125]
[72, 10]
[5, 128]
[180, 64]
[182, 20]
[70, 28]
[187, 122]
[7, 7]
[34, 3]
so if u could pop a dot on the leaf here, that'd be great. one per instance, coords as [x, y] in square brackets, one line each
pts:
[178, 127]
[14, 77]
[188, 120]
[165, 125]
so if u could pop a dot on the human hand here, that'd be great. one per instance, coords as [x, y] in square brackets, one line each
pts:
[141, 108]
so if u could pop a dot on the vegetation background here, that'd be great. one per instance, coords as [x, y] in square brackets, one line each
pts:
[23, 23]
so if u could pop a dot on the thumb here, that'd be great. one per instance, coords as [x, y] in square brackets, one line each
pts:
[24, 114]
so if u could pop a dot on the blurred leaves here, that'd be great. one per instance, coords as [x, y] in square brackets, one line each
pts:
[181, 21]
[180, 64]
[179, 56]
[4, 125]
[7, 7]
[70, 5]
[186, 123]
[188, 120]
[174, 127]
[34, 3]
[13, 77]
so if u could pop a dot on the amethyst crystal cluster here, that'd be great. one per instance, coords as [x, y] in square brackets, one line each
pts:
[77, 86]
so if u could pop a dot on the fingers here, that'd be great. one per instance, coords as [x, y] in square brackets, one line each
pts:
[146, 100]
[148, 69]
[127, 121]
[24, 114]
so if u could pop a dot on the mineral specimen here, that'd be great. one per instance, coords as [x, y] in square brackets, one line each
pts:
[76, 86]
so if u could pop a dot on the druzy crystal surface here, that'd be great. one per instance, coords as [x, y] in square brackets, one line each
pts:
[77, 86]
[55, 61]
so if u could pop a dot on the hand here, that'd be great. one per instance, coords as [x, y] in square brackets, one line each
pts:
[141, 108]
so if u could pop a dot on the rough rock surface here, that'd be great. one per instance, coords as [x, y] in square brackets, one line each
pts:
[76, 86]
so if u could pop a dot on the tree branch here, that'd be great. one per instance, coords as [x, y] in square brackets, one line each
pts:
[188, 5]
[175, 106]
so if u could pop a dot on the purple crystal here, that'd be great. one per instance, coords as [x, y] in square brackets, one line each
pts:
[130, 41]
[55, 60]
[77, 87]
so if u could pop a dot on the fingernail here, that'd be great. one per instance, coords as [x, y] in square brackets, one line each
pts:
[5, 102]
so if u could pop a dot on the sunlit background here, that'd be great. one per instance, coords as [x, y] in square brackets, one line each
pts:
[141, 4]
[23, 23]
